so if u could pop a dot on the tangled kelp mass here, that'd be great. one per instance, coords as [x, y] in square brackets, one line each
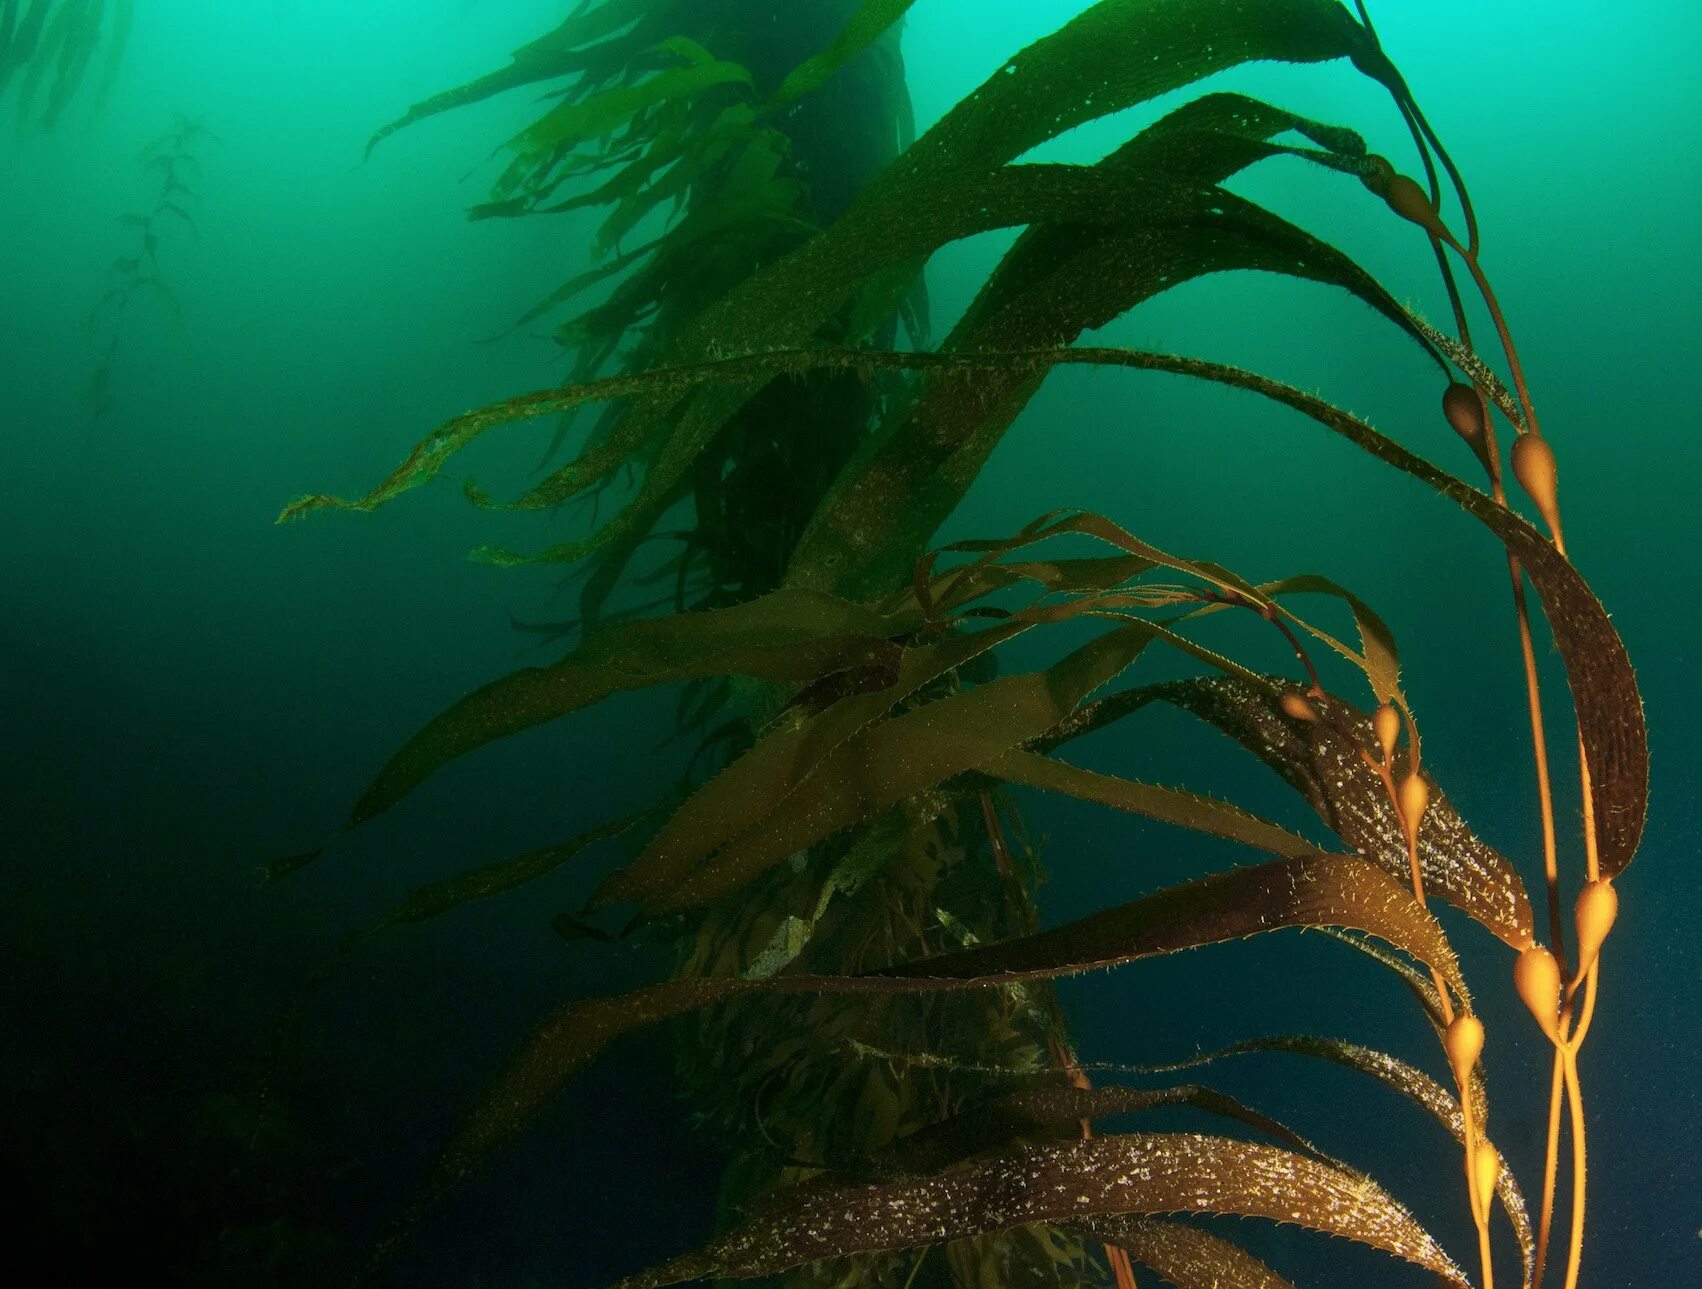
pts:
[864, 718]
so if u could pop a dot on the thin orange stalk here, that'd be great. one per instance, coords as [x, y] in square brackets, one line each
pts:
[1575, 1100]
[1551, 1158]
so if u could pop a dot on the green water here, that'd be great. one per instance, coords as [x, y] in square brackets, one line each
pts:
[189, 689]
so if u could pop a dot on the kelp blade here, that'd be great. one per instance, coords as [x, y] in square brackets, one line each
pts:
[1070, 1182]
[1311, 891]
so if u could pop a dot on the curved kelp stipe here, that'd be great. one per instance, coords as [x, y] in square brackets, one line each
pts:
[1320, 890]
[1073, 1183]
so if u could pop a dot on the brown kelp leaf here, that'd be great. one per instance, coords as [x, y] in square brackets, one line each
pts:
[577, 121]
[872, 19]
[1205, 142]
[784, 636]
[750, 787]
[1168, 805]
[1050, 290]
[549, 56]
[1041, 1112]
[1186, 1256]
[1067, 1183]
[1604, 689]
[116, 47]
[1321, 760]
[77, 51]
[1377, 654]
[1233, 235]
[953, 182]
[1411, 1083]
[1308, 890]
[782, 762]
[437, 898]
[1320, 890]
[936, 592]
[894, 759]
[858, 776]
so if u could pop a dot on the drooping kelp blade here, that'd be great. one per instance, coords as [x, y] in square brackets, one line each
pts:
[1319, 890]
[879, 765]
[1063, 277]
[1177, 232]
[83, 34]
[1074, 1181]
[755, 783]
[547, 57]
[1311, 890]
[496, 878]
[872, 19]
[1167, 805]
[887, 762]
[1118, 53]
[786, 636]
[119, 42]
[1604, 689]
[1042, 1113]
[1411, 1083]
[576, 122]
[1185, 1256]
[1321, 760]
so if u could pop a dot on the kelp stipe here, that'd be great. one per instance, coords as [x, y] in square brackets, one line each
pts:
[861, 976]
[172, 158]
[1538, 973]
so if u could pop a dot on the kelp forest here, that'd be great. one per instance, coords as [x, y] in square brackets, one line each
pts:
[744, 483]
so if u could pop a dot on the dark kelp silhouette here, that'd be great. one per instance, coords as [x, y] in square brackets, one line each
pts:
[846, 844]
[49, 48]
[171, 158]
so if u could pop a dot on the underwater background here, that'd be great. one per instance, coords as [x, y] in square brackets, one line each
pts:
[188, 689]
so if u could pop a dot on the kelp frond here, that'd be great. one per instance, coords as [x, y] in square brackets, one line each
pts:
[844, 841]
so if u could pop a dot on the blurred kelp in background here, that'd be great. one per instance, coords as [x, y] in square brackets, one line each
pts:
[171, 159]
[52, 50]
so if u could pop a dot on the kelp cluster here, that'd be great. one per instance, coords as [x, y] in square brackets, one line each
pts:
[707, 166]
[50, 49]
[172, 160]
[849, 887]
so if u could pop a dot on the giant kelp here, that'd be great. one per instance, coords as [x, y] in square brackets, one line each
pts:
[171, 161]
[860, 952]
